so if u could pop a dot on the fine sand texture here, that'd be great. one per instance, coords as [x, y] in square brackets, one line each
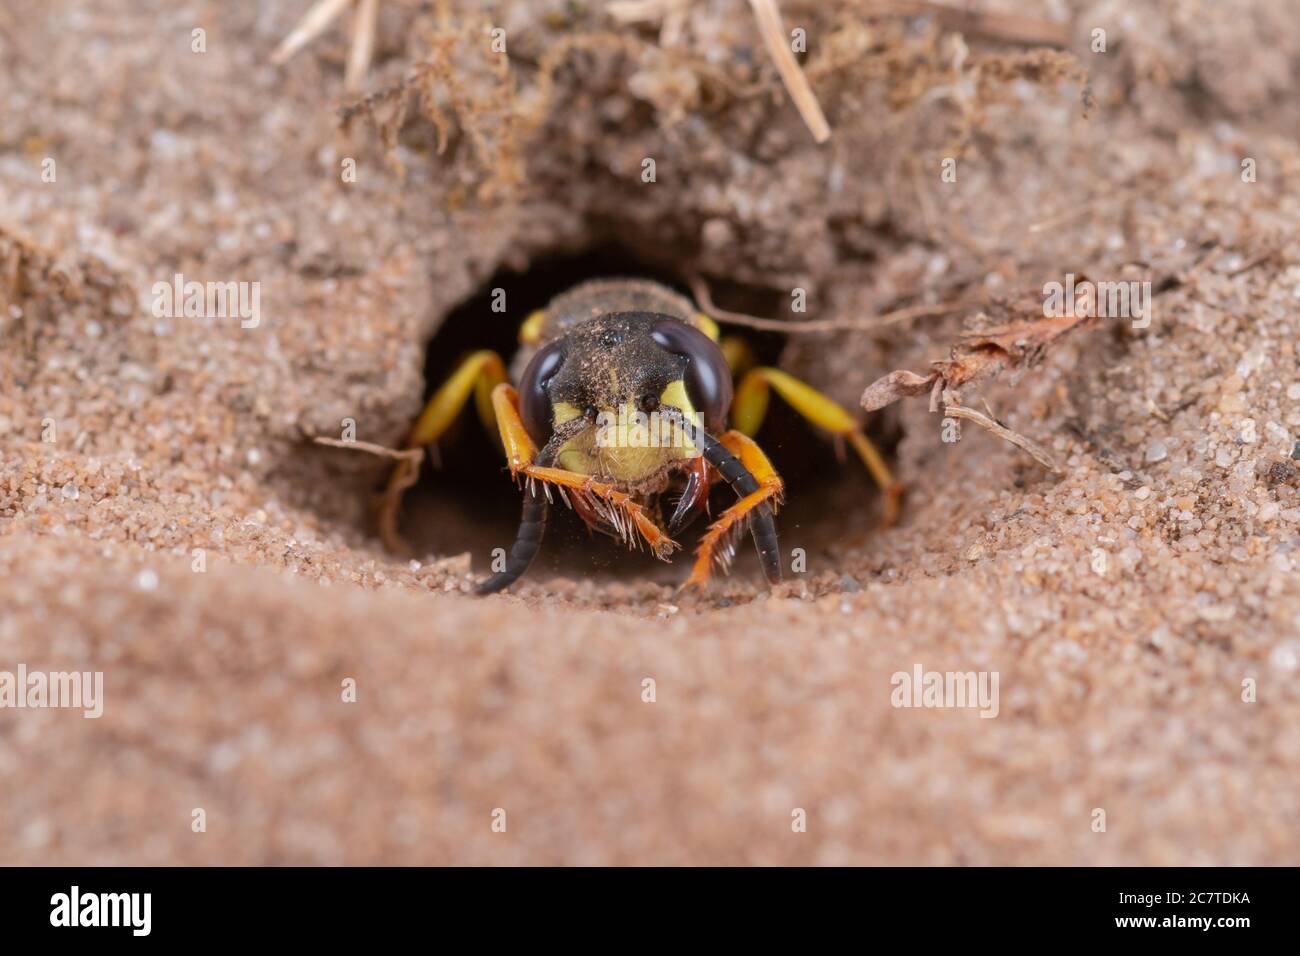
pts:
[279, 687]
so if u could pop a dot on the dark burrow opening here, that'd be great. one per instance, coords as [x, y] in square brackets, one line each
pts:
[466, 501]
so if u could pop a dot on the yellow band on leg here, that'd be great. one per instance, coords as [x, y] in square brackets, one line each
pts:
[740, 357]
[478, 374]
[530, 333]
[750, 407]
[770, 489]
[706, 325]
[821, 410]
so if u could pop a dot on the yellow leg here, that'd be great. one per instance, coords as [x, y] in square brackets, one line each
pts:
[530, 333]
[706, 325]
[627, 517]
[740, 357]
[719, 541]
[477, 375]
[750, 406]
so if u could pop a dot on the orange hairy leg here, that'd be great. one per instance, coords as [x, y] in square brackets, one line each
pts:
[743, 459]
[532, 467]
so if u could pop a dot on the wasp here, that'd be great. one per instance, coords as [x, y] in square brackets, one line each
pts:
[624, 394]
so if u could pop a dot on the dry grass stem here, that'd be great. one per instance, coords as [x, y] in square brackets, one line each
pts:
[1035, 450]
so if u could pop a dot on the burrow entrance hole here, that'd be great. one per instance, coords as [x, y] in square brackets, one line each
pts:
[466, 501]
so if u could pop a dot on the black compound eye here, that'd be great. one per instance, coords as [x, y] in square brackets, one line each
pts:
[534, 402]
[708, 379]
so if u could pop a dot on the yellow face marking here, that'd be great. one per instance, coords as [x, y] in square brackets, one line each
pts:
[675, 395]
[627, 445]
[563, 412]
[616, 453]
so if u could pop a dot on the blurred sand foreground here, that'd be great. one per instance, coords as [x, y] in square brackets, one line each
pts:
[166, 520]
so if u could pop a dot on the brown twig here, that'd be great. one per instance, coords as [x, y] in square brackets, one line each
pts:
[700, 289]
[1257, 260]
[402, 478]
[363, 44]
[1007, 27]
[413, 455]
[672, 15]
[1035, 450]
[978, 356]
[774, 38]
[313, 23]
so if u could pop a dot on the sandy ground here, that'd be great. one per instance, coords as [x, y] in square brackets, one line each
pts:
[165, 517]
